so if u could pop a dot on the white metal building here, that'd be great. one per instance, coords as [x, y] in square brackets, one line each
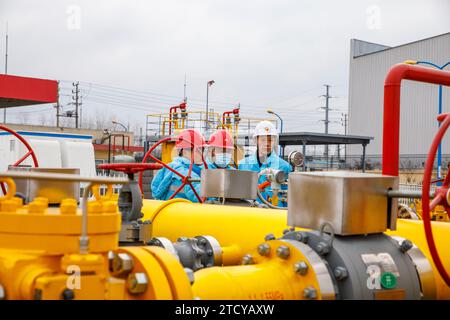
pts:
[369, 64]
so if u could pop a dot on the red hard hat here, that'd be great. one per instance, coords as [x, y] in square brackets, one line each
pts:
[221, 139]
[190, 138]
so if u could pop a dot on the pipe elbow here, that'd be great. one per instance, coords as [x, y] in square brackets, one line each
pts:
[396, 74]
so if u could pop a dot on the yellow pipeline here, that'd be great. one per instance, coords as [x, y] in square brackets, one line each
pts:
[240, 228]
[269, 277]
[246, 227]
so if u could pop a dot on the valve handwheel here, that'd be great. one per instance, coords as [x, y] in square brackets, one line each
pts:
[185, 179]
[441, 197]
[30, 152]
[130, 168]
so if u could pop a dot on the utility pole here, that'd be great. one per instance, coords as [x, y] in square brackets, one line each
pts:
[81, 111]
[76, 98]
[344, 122]
[327, 111]
[57, 109]
[6, 67]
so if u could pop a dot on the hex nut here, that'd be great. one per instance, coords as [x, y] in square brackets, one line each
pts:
[405, 245]
[340, 273]
[302, 237]
[283, 252]
[323, 248]
[68, 294]
[137, 283]
[310, 293]
[264, 249]
[301, 268]
[247, 259]
[270, 236]
[121, 264]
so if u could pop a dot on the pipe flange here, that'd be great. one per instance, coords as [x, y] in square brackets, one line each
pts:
[318, 265]
[164, 243]
[212, 248]
[423, 268]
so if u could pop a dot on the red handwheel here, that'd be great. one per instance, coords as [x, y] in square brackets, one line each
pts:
[441, 197]
[185, 179]
[30, 152]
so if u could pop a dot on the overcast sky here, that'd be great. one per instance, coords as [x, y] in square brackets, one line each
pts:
[261, 53]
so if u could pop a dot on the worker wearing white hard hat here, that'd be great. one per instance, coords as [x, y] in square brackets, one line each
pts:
[266, 155]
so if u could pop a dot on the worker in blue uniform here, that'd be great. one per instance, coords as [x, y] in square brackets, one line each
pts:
[266, 157]
[220, 150]
[166, 182]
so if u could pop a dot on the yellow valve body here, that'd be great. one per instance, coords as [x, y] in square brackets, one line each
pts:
[40, 259]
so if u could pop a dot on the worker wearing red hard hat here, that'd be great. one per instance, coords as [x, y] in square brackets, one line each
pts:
[220, 150]
[189, 145]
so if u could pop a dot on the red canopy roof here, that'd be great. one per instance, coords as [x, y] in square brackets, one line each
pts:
[23, 91]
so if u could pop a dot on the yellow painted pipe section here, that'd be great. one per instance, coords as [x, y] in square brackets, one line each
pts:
[254, 282]
[232, 255]
[267, 278]
[246, 227]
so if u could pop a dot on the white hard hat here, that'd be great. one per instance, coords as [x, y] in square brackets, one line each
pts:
[265, 128]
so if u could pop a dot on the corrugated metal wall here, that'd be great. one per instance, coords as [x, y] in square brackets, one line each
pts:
[419, 102]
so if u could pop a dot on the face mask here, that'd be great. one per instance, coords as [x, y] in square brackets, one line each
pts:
[223, 159]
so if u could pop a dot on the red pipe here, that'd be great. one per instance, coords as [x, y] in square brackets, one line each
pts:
[172, 110]
[391, 118]
[227, 113]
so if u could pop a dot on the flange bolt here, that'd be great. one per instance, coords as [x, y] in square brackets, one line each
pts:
[264, 249]
[283, 252]
[270, 236]
[340, 273]
[310, 293]
[301, 268]
[405, 245]
[247, 259]
[323, 248]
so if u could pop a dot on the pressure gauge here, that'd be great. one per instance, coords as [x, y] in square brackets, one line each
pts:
[296, 158]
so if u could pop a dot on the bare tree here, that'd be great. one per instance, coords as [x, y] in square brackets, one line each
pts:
[24, 118]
